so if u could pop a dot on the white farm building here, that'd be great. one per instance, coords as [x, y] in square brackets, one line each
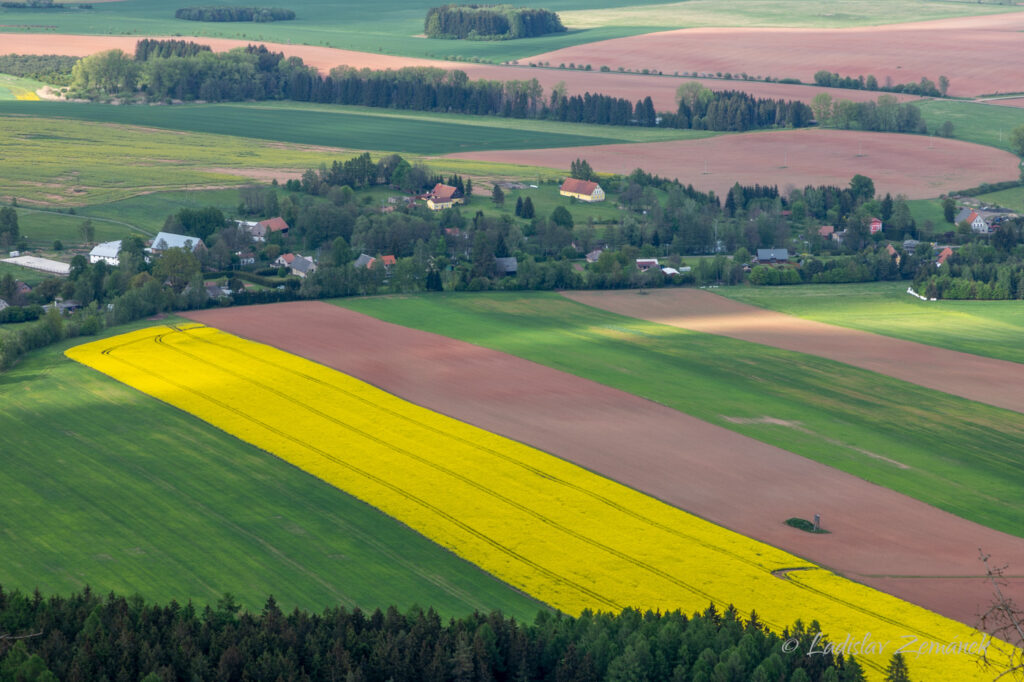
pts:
[106, 252]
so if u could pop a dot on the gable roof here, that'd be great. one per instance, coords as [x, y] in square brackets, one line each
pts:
[388, 260]
[364, 261]
[274, 224]
[579, 186]
[303, 264]
[288, 258]
[508, 266]
[106, 250]
[167, 240]
[826, 230]
[963, 215]
[442, 192]
[943, 255]
[772, 254]
[890, 249]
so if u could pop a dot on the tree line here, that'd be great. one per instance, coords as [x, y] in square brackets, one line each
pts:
[86, 636]
[148, 48]
[50, 68]
[887, 114]
[221, 13]
[925, 87]
[992, 270]
[490, 22]
[255, 73]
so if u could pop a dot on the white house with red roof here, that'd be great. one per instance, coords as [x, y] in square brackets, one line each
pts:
[444, 196]
[584, 190]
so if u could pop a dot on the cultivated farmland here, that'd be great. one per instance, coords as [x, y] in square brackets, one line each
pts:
[996, 382]
[987, 328]
[677, 458]
[107, 487]
[896, 53]
[914, 165]
[567, 536]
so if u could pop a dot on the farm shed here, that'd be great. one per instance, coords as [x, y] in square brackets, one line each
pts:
[106, 252]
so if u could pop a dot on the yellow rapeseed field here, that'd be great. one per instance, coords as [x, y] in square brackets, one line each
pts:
[567, 536]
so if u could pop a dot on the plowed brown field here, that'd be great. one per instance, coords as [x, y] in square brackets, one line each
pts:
[917, 166]
[973, 52]
[634, 87]
[879, 537]
[987, 380]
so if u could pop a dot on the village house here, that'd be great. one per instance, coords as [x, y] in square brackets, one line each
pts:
[364, 261]
[259, 231]
[506, 266]
[106, 252]
[943, 256]
[594, 255]
[285, 260]
[388, 261]
[875, 225]
[302, 266]
[893, 253]
[978, 223]
[444, 196]
[246, 257]
[645, 264]
[772, 256]
[826, 231]
[166, 240]
[584, 190]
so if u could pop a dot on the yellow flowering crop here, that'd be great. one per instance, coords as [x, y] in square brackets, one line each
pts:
[569, 537]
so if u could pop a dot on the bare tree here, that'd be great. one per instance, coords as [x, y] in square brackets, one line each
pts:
[1003, 620]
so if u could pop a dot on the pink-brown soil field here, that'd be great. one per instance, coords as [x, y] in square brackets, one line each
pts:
[986, 380]
[1007, 102]
[973, 52]
[917, 166]
[662, 90]
[725, 477]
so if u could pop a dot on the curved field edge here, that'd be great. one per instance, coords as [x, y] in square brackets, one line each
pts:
[987, 328]
[107, 487]
[358, 26]
[946, 451]
[565, 535]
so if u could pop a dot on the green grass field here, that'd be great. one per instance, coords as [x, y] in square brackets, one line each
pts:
[1012, 198]
[353, 127]
[990, 328]
[924, 210]
[105, 486]
[963, 456]
[359, 26]
[27, 275]
[42, 228]
[12, 87]
[978, 122]
[149, 211]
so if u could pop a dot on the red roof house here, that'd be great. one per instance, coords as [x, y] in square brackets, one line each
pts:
[584, 190]
[876, 226]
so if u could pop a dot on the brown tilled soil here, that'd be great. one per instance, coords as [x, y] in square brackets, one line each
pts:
[720, 475]
[1007, 102]
[971, 51]
[987, 380]
[920, 167]
[633, 87]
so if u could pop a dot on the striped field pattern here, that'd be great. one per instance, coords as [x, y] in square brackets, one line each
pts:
[566, 536]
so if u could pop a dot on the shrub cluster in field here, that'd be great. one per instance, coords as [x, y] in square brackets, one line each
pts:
[222, 641]
[490, 22]
[220, 13]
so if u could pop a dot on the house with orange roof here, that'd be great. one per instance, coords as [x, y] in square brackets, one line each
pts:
[584, 190]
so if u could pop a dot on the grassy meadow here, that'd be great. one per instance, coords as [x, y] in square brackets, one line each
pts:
[27, 275]
[358, 26]
[42, 228]
[1012, 198]
[989, 328]
[14, 88]
[108, 487]
[959, 455]
[987, 124]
